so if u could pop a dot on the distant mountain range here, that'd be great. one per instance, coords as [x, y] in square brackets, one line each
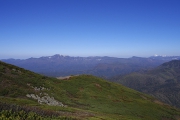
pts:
[163, 82]
[106, 67]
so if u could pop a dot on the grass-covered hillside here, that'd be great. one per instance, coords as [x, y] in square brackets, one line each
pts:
[162, 82]
[27, 95]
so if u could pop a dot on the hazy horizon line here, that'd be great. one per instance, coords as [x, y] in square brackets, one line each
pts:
[23, 58]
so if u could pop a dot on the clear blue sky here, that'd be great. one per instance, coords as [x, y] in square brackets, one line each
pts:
[118, 28]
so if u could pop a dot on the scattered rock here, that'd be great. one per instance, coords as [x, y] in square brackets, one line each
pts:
[46, 99]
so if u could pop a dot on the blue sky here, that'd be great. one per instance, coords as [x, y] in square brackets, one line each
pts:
[118, 28]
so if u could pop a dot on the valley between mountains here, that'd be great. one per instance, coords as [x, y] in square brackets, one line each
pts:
[28, 95]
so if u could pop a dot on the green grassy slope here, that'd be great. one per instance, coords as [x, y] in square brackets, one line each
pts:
[84, 97]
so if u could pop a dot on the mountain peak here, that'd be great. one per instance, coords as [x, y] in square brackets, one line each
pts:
[56, 55]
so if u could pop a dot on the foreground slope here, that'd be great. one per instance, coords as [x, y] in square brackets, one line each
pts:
[162, 82]
[79, 97]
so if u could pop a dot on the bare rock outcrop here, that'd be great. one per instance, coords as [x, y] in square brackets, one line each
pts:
[45, 99]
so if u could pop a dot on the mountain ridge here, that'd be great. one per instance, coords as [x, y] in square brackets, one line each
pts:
[106, 67]
[163, 82]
